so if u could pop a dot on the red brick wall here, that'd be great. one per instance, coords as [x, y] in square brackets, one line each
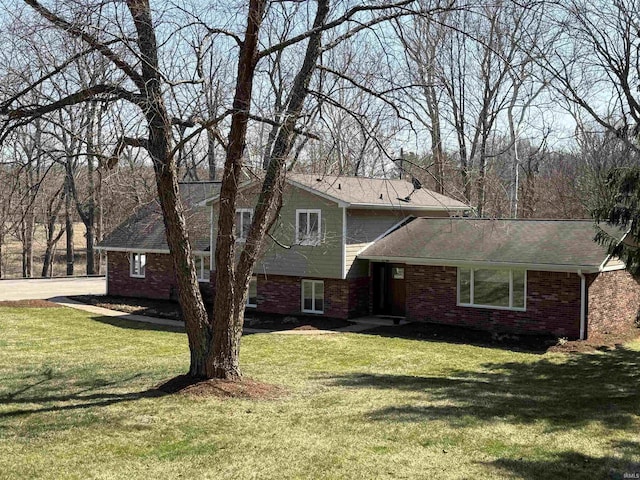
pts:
[553, 303]
[282, 294]
[159, 280]
[614, 298]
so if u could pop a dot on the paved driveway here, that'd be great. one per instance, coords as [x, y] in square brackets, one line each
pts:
[51, 287]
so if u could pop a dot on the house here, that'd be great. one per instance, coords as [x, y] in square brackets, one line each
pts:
[345, 247]
[138, 263]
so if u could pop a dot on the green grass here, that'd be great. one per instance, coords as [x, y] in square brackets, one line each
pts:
[75, 403]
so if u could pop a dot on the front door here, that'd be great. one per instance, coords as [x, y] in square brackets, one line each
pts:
[389, 291]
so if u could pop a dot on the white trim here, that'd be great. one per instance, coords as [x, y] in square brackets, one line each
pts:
[133, 263]
[212, 200]
[146, 250]
[393, 206]
[344, 243]
[200, 272]
[252, 305]
[493, 307]
[612, 268]
[466, 263]
[583, 304]
[313, 296]
[308, 241]
[243, 238]
[106, 272]
[606, 260]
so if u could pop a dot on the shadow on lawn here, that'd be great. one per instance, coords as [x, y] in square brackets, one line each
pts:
[569, 465]
[83, 394]
[599, 387]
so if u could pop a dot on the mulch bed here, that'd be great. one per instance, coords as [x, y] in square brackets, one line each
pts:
[245, 388]
[171, 310]
[29, 304]
[524, 343]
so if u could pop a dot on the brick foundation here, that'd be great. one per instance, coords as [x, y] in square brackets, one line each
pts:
[614, 298]
[159, 280]
[553, 303]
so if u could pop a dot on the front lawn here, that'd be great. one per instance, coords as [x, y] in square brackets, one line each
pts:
[77, 401]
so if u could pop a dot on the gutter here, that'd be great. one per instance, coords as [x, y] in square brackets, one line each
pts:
[583, 304]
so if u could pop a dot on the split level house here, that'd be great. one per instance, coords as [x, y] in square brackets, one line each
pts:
[347, 247]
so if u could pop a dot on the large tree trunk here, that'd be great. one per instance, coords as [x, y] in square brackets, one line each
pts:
[232, 283]
[197, 324]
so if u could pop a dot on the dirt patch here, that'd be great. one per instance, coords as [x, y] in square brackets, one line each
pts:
[245, 388]
[302, 322]
[600, 342]
[28, 304]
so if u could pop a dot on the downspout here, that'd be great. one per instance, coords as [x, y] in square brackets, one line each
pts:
[583, 304]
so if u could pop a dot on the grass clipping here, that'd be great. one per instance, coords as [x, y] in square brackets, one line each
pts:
[245, 388]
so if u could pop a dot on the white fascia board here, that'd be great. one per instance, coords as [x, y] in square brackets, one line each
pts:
[603, 267]
[611, 268]
[435, 208]
[464, 263]
[144, 250]
[313, 191]
[344, 242]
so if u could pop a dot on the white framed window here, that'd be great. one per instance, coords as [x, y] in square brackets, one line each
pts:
[137, 264]
[252, 295]
[244, 216]
[313, 296]
[492, 288]
[308, 231]
[203, 267]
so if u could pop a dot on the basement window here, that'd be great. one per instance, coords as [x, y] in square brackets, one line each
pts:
[492, 288]
[252, 295]
[313, 296]
[202, 268]
[137, 264]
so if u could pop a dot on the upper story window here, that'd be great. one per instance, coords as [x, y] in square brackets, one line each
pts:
[202, 268]
[492, 288]
[244, 216]
[308, 227]
[137, 264]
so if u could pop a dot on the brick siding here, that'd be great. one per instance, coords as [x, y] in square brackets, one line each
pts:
[614, 298]
[159, 280]
[281, 294]
[552, 306]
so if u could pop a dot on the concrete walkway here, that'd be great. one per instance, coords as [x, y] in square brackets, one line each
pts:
[105, 312]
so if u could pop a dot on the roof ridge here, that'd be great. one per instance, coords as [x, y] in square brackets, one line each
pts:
[513, 219]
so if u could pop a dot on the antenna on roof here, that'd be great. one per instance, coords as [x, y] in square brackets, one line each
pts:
[417, 185]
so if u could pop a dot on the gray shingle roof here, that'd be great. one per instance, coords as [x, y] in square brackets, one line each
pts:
[557, 243]
[375, 192]
[144, 230]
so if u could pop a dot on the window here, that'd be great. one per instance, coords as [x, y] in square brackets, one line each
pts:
[252, 296]
[244, 216]
[202, 268]
[308, 227]
[492, 288]
[137, 264]
[313, 296]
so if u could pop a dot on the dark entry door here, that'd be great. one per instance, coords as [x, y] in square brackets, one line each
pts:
[389, 289]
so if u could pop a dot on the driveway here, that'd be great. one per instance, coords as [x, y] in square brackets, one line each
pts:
[43, 288]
